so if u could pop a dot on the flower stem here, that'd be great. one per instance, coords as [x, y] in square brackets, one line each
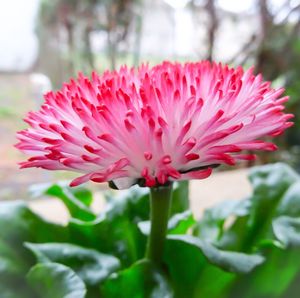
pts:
[160, 202]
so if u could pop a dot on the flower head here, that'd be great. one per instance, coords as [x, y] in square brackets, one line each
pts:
[153, 125]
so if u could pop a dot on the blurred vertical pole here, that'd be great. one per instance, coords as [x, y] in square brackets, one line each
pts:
[71, 47]
[111, 50]
[111, 12]
[138, 38]
[265, 17]
[213, 25]
[88, 47]
[266, 25]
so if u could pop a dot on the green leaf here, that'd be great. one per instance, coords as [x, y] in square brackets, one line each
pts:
[290, 203]
[178, 223]
[270, 183]
[227, 260]
[15, 287]
[80, 192]
[83, 194]
[22, 225]
[272, 180]
[52, 280]
[77, 201]
[140, 280]
[181, 222]
[91, 266]
[180, 197]
[19, 224]
[211, 226]
[119, 221]
[113, 234]
[134, 202]
[191, 273]
[271, 279]
[287, 230]
[11, 263]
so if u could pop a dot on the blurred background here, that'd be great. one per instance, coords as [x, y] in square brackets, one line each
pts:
[44, 42]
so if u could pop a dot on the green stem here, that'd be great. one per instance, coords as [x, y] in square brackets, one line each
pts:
[160, 202]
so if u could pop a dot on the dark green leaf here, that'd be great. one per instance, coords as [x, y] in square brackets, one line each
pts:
[11, 263]
[287, 230]
[91, 266]
[229, 207]
[22, 225]
[180, 197]
[178, 223]
[15, 287]
[227, 260]
[83, 194]
[139, 281]
[19, 224]
[271, 279]
[191, 273]
[290, 203]
[74, 200]
[52, 280]
[181, 222]
[134, 202]
[115, 231]
[270, 182]
[113, 234]
[211, 226]
[233, 238]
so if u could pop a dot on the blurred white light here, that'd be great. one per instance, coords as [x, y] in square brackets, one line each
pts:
[177, 4]
[19, 44]
[236, 6]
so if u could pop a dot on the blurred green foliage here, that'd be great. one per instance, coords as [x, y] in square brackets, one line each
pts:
[248, 248]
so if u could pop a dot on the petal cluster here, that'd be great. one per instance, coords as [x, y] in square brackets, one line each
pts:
[153, 125]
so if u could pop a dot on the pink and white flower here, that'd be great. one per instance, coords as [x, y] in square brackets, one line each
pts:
[154, 125]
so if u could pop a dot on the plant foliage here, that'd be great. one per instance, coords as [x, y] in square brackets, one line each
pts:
[248, 248]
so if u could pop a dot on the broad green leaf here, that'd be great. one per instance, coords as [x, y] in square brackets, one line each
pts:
[272, 180]
[211, 226]
[91, 266]
[22, 225]
[52, 280]
[292, 290]
[271, 279]
[230, 261]
[74, 200]
[17, 225]
[113, 234]
[290, 203]
[180, 197]
[115, 231]
[230, 207]
[181, 222]
[203, 266]
[178, 223]
[233, 238]
[83, 194]
[270, 183]
[134, 202]
[80, 192]
[139, 281]
[11, 263]
[15, 287]
[287, 230]
[191, 274]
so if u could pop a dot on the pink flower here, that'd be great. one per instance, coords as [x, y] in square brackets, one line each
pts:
[153, 125]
